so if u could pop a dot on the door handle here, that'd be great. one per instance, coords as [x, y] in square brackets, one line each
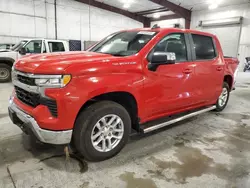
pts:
[219, 68]
[187, 71]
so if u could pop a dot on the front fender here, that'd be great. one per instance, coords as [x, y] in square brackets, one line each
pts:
[92, 86]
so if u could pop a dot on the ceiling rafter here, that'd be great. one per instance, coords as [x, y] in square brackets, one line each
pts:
[146, 12]
[139, 18]
[177, 9]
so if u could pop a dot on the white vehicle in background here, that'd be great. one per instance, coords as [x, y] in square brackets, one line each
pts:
[27, 47]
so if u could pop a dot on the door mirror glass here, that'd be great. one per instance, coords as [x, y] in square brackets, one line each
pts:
[22, 51]
[160, 58]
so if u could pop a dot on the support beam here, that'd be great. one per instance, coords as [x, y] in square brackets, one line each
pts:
[180, 11]
[110, 8]
[146, 12]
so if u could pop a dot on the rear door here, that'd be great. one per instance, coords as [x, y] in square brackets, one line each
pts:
[56, 46]
[209, 67]
[170, 88]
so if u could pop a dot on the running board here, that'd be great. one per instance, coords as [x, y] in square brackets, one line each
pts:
[147, 128]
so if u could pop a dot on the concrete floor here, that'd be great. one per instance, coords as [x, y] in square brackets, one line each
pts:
[210, 150]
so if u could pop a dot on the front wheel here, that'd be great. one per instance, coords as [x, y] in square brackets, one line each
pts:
[223, 98]
[101, 130]
[5, 73]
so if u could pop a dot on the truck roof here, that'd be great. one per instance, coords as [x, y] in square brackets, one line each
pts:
[173, 30]
[55, 40]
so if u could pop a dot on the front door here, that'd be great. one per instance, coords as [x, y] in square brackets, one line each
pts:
[170, 88]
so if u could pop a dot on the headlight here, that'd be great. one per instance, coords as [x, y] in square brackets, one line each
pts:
[52, 80]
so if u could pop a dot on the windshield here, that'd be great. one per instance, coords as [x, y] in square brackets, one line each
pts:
[124, 43]
[19, 45]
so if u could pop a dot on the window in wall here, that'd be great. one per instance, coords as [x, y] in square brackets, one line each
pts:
[173, 43]
[56, 47]
[204, 47]
[34, 46]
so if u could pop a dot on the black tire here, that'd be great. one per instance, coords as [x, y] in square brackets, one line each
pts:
[245, 69]
[219, 107]
[5, 73]
[86, 121]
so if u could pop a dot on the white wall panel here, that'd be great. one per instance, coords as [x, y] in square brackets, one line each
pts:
[5, 26]
[75, 20]
[40, 28]
[22, 26]
[40, 8]
[21, 7]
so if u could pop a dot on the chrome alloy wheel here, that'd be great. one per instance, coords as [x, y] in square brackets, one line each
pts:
[223, 97]
[107, 133]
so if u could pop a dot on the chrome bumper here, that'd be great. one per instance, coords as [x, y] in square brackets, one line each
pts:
[45, 136]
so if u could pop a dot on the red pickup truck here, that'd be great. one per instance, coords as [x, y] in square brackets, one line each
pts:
[135, 80]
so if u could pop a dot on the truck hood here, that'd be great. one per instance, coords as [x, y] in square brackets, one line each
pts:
[56, 63]
[4, 50]
[9, 54]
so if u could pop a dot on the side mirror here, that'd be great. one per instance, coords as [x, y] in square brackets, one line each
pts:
[161, 58]
[22, 51]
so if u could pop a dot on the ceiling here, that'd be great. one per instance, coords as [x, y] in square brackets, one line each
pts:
[203, 4]
[140, 6]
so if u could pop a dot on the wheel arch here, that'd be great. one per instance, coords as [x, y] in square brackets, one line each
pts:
[124, 98]
[229, 80]
[7, 60]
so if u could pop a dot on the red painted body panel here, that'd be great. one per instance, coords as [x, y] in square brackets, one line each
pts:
[171, 89]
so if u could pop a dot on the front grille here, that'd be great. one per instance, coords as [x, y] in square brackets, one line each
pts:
[34, 99]
[26, 80]
[31, 99]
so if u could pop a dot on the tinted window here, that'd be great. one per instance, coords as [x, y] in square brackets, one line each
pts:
[204, 47]
[173, 43]
[56, 47]
[34, 46]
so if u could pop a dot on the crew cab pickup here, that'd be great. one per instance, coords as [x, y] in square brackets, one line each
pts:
[135, 80]
[27, 47]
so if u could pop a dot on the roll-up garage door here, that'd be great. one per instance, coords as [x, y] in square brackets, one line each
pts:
[228, 34]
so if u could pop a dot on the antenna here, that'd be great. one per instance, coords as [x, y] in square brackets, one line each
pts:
[155, 26]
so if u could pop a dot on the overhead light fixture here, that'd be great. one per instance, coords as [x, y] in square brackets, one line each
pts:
[126, 5]
[213, 6]
[156, 15]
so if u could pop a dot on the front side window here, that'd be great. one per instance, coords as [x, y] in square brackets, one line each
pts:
[34, 47]
[174, 43]
[56, 47]
[124, 43]
[204, 47]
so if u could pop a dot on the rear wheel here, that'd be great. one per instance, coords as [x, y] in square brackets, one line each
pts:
[5, 73]
[102, 130]
[223, 98]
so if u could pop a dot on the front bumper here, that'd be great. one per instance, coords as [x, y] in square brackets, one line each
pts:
[27, 123]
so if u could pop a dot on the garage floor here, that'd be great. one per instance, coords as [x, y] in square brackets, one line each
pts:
[210, 150]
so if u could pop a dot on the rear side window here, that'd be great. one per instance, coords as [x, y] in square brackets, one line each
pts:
[204, 47]
[56, 47]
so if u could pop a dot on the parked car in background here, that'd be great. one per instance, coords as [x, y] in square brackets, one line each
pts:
[247, 65]
[142, 79]
[27, 47]
[4, 47]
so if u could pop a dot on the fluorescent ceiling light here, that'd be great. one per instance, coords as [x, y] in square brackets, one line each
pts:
[156, 15]
[213, 6]
[126, 5]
